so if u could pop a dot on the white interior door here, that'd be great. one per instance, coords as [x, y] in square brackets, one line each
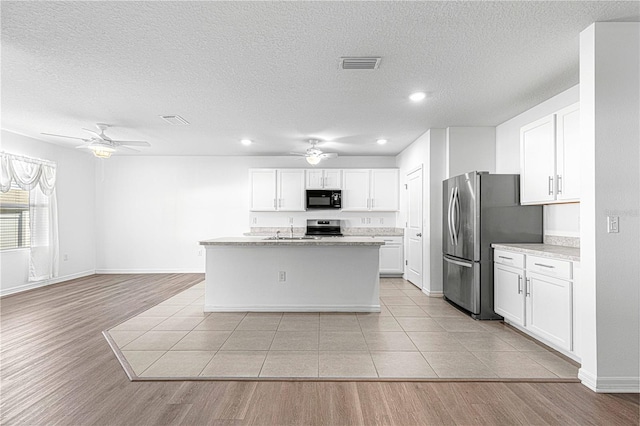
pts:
[413, 231]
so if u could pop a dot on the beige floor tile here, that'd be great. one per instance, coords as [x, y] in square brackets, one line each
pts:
[218, 321]
[290, 364]
[339, 322]
[295, 341]
[459, 324]
[192, 311]
[202, 341]
[457, 365]
[419, 324]
[346, 364]
[391, 291]
[476, 342]
[407, 311]
[405, 285]
[413, 292]
[294, 322]
[521, 342]
[259, 322]
[249, 340]
[177, 301]
[388, 341]
[198, 301]
[424, 300]
[433, 341]
[494, 326]
[513, 365]
[155, 341]
[397, 301]
[235, 364]
[141, 360]
[179, 364]
[401, 364]
[554, 363]
[380, 323]
[140, 323]
[161, 311]
[342, 341]
[179, 323]
[123, 337]
[445, 311]
[384, 312]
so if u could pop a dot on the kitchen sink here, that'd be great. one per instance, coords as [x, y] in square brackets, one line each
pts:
[293, 238]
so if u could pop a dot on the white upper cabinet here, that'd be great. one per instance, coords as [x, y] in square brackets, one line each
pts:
[568, 153]
[384, 189]
[324, 179]
[262, 183]
[277, 190]
[549, 150]
[370, 190]
[355, 190]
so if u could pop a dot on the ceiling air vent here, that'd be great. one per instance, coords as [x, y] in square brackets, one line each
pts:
[360, 63]
[175, 120]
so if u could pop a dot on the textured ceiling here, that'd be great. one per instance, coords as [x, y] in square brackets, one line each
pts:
[268, 70]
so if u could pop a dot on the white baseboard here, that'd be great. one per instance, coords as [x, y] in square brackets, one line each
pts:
[609, 384]
[432, 293]
[292, 308]
[149, 271]
[43, 283]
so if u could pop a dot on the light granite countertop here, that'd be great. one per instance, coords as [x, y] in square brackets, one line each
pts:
[323, 241]
[543, 250]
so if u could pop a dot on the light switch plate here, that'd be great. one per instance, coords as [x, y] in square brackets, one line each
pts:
[613, 224]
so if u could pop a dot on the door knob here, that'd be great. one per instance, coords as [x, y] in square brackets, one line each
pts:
[419, 234]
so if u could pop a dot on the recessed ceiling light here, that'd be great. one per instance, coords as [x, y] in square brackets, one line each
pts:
[418, 96]
[246, 142]
[381, 141]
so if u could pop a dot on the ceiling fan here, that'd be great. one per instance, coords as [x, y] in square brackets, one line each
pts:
[313, 154]
[102, 145]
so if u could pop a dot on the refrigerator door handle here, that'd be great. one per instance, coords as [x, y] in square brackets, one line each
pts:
[456, 223]
[456, 262]
[449, 216]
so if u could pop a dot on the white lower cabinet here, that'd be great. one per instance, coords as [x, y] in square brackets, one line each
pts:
[391, 256]
[535, 294]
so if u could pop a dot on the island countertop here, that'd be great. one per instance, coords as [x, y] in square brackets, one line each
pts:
[321, 241]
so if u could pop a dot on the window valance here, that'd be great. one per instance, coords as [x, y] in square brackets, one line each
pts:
[27, 173]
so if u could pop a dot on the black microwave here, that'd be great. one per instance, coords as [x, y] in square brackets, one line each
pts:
[324, 199]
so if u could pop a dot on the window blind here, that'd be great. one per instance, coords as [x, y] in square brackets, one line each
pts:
[14, 219]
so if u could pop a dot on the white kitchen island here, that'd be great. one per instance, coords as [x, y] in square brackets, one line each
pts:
[255, 274]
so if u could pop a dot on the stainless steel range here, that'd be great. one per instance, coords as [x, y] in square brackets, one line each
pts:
[324, 228]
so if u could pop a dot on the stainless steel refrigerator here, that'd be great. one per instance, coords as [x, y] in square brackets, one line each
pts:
[480, 209]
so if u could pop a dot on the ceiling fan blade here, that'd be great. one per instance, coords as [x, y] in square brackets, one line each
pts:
[126, 148]
[63, 136]
[132, 143]
[95, 133]
[86, 145]
[329, 155]
[302, 154]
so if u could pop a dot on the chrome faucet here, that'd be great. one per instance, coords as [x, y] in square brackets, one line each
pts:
[277, 235]
[291, 232]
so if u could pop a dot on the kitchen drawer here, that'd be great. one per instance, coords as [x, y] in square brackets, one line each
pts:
[508, 258]
[391, 240]
[549, 267]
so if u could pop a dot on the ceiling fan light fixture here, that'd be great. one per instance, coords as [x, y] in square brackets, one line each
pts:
[313, 159]
[100, 153]
[246, 142]
[381, 141]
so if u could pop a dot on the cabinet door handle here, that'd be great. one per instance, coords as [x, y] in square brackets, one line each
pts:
[505, 257]
[559, 184]
[275, 203]
[550, 185]
[519, 284]
[419, 234]
[372, 200]
[527, 285]
[544, 266]
[322, 182]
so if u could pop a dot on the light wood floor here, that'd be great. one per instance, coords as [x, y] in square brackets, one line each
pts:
[56, 368]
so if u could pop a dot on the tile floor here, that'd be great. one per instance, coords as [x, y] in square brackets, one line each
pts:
[413, 337]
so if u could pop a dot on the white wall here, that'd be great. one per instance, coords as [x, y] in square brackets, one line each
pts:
[559, 219]
[153, 211]
[469, 149]
[610, 280]
[427, 151]
[76, 214]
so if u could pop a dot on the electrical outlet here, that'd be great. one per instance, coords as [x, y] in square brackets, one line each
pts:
[282, 276]
[368, 221]
[65, 257]
[613, 224]
[199, 252]
[290, 221]
[382, 221]
[255, 221]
